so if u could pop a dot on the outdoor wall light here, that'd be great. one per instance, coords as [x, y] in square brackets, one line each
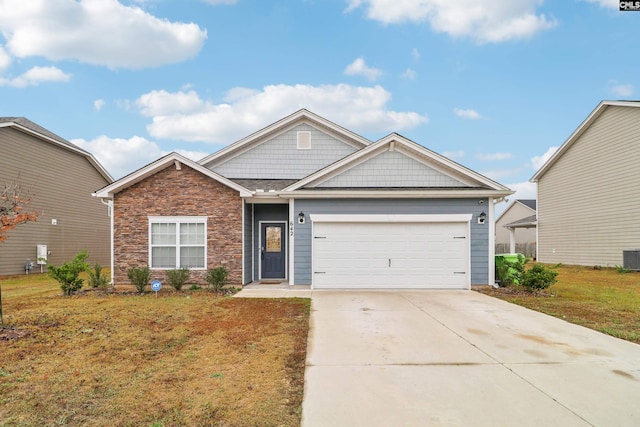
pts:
[482, 218]
[301, 218]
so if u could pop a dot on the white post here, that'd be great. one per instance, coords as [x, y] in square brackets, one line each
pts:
[512, 240]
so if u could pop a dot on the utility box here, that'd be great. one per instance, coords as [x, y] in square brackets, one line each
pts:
[41, 254]
[631, 259]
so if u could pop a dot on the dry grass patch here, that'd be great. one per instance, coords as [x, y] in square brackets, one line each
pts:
[604, 300]
[189, 358]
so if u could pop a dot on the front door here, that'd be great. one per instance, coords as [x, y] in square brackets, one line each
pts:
[272, 250]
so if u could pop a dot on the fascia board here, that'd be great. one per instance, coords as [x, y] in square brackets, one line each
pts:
[390, 217]
[69, 147]
[152, 168]
[281, 125]
[392, 194]
[578, 132]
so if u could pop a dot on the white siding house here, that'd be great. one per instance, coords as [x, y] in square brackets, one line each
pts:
[589, 190]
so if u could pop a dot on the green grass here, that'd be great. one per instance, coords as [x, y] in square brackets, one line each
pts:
[605, 300]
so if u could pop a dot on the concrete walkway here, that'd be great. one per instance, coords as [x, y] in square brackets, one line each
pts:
[460, 358]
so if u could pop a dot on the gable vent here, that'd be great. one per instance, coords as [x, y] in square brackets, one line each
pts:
[304, 140]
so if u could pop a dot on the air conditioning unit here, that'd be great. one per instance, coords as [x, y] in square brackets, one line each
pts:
[631, 259]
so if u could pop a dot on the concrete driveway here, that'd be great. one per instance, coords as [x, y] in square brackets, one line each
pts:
[460, 358]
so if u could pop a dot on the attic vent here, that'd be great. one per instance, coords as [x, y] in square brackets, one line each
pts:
[304, 140]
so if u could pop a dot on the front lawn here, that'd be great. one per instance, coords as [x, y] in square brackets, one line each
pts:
[604, 300]
[182, 359]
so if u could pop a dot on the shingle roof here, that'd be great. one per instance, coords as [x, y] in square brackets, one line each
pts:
[527, 222]
[530, 203]
[264, 184]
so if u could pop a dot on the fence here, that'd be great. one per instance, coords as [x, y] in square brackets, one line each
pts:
[526, 249]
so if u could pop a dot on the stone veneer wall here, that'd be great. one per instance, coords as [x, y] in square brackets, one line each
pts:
[173, 192]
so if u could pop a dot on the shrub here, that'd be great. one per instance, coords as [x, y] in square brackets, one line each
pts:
[68, 274]
[538, 277]
[217, 278]
[97, 279]
[140, 277]
[622, 270]
[178, 277]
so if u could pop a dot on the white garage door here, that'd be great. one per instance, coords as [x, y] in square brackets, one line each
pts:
[390, 254]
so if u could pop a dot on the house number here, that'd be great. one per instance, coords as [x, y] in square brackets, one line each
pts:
[290, 228]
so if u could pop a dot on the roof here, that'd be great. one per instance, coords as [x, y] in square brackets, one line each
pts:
[264, 184]
[394, 141]
[530, 203]
[579, 131]
[25, 125]
[160, 164]
[528, 222]
[299, 116]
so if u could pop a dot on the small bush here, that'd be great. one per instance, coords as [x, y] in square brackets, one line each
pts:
[178, 277]
[217, 278]
[97, 280]
[68, 274]
[620, 269]
[538, 277]
[194, 287]
[140, 277]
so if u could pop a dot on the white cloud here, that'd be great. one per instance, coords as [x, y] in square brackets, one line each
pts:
[360, 68]
[454, 155]
[415, 53]
[486, 157]
[409, 74]
[611, 4]
[5, 59]
[123, 156]
[523, 190]
[467, 114]
[482, 20]
[185, 116]
[99, 32]
[499, 174]
[625, 90]
[216, 2]
[538, 161]
[35, 76]
[98, 104]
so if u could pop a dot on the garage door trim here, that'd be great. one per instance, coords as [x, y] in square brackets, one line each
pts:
[461, 219]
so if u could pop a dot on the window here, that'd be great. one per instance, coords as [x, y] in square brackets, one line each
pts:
[178, 242]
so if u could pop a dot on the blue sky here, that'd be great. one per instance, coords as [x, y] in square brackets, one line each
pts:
[493, 84]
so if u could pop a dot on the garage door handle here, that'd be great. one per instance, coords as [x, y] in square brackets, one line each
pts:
[319, 272]
[389, 262]
[459, 272]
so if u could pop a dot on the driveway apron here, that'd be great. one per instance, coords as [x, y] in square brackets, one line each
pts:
[460, 358]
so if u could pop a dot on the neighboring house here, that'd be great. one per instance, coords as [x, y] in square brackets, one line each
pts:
[60, 178]
[589, 190]
[309, 202]
[516, 228]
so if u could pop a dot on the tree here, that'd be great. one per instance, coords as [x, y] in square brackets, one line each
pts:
[13, 201]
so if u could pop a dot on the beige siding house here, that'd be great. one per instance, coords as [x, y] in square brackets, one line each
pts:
[589, 190]
[60, 178]
[516, 229]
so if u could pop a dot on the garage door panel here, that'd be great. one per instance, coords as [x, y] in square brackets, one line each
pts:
[387, 255]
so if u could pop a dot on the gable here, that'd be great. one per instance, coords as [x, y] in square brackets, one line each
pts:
[280, 158]
[391, 169]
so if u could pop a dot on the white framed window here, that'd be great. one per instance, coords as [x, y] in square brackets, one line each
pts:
[177, 242]
[304, 140]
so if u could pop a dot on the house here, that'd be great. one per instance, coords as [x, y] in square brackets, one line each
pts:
[589, 190]
[516, 228]
[59, 178]
[308, 202]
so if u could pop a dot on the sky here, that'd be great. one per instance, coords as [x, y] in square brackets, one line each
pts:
[495, 85]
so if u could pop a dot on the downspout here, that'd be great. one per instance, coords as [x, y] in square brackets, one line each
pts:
[109, 204]
[492, 240]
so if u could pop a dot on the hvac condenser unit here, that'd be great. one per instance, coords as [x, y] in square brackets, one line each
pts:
[631, 259]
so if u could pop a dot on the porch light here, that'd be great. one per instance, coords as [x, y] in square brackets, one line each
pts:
[301, 218]
[482, 218]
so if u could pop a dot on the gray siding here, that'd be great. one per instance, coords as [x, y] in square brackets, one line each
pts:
[589, 200]
[247, 247]
[479, 232]
[279, 158]
[61, 183]
[391, 169]
[266, 213]
[523, 235]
